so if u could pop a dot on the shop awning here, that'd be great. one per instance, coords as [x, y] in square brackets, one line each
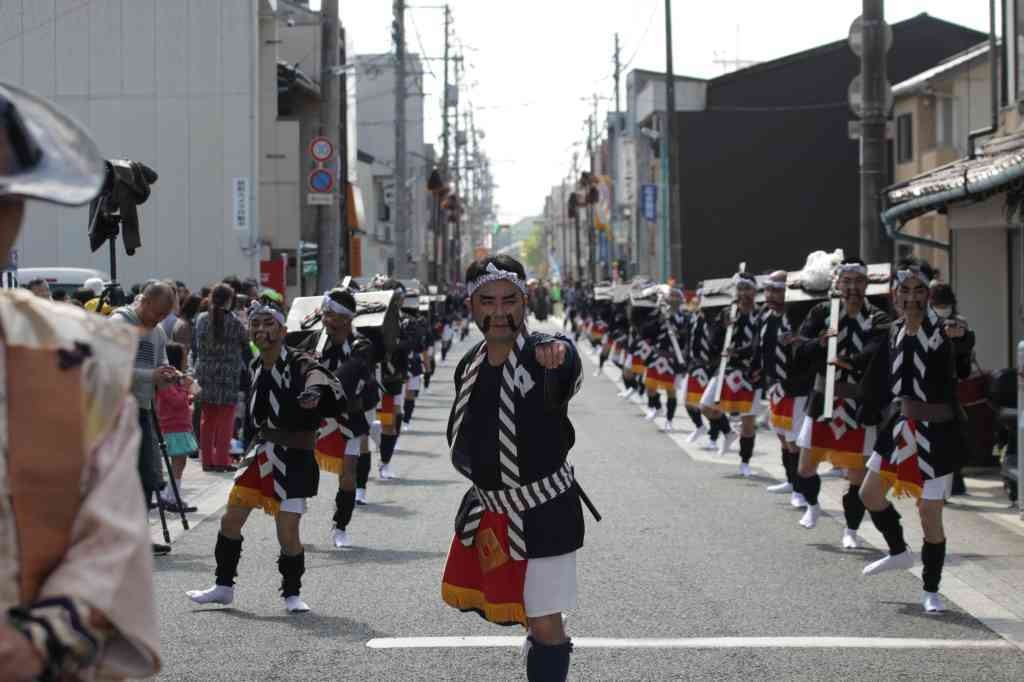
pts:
[998, 165]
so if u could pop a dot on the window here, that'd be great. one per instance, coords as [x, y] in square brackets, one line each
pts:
[944, 122]
[904, 138]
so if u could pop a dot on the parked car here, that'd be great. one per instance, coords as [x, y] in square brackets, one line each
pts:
[67, 279]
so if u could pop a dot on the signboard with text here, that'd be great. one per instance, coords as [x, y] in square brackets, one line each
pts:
[649, 202]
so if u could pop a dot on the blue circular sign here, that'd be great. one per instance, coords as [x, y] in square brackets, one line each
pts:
[321, 180]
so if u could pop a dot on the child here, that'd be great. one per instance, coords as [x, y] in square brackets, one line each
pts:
[174, 411]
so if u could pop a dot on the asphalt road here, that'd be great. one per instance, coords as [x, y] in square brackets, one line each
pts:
[686, 550]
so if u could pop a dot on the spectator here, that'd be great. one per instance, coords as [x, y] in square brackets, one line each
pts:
[39, 287]
[220, 340]
[82, 296]
[235, 283]
[60, 295]
[151, 372]
[183, 328]
[174, 411]
[251, 288]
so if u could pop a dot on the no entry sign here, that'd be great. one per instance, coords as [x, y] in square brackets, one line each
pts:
[321, 149]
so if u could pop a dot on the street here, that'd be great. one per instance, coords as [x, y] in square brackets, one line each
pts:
[694, 574]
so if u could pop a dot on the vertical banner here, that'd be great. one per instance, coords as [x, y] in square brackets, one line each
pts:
[649, 202]
[355, 255]
[240, 204]
[272, 273]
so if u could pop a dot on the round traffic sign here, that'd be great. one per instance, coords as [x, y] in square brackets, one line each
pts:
[321, 148]
[856, 39]
[321, 180]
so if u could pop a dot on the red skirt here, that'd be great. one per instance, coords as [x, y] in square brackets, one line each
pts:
[659, 381]
[739, 400]
[484, 578]
[845, 451]
[386, 411]
[695, 386]
[330, 450]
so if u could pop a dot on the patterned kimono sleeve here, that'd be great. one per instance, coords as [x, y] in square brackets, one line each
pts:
[96, 611]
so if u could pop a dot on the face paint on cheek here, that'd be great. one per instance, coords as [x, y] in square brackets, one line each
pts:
[512, 321]
[485, 325]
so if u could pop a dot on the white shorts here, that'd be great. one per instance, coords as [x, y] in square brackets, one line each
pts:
[352, 447]
[934, 488]
[414, 383]
[399, 401]
[550, 585]
[295, 505]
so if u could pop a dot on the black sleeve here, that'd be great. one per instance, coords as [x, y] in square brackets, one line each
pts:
[807, 352]
[880, 324]
[874, 386]
[560, 384]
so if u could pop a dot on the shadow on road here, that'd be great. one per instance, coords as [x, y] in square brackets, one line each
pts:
[364, 555]
[914, 610]
[311, 623]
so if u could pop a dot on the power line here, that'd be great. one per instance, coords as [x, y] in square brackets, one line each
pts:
[419, 41]
[639, 44]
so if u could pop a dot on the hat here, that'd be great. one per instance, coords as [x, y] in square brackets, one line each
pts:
[95, 284]
[44, 154]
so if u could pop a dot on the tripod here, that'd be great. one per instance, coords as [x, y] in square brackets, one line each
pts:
[173, 482]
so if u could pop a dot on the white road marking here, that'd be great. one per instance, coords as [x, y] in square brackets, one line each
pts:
[697, 643]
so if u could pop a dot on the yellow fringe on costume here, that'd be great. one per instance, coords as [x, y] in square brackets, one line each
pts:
[386, 418]
[740, 406]
[466, 599]
[252, 499]
[901, 488]
[693, 399]
[653, 384]
[331, 465]
[839, 458]
[781, 421]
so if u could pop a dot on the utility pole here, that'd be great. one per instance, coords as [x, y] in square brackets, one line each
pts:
[591, 231]
[614, 162]
[445, 245]
[675, 228]
[401, 220]
[329, 216]
[618, 72]
[873, 247]
[457, 237]
[576, 218]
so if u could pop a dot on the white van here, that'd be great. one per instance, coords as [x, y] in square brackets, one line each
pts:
[67, 279]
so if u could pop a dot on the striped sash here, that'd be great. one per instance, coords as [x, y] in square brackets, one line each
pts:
[508, 456]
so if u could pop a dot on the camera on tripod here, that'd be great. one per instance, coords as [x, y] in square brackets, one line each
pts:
[115, 211]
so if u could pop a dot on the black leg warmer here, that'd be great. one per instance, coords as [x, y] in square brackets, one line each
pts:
[407, 409]
[790, 462]
[746, 448]
[344, 504]
[723, 424]
[933, 556]
[695, 416]
[363, 469]
[853, 508]
[670, 408]
[546, 663]
[657, 401]
[227, 552]
[291, 568]
[888, 524]
[810, 487]
[387, 447]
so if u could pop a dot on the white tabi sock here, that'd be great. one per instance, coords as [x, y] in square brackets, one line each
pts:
[810, 517]
[218, 594]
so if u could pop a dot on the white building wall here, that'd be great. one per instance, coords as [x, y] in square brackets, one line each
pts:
[166, 82]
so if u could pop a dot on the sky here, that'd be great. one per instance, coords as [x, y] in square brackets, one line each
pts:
[533, 66]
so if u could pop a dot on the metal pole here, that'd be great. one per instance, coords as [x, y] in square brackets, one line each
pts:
[345, 261]
[874, 247]
[401, 191]
[674, 227]
[457, 237]
[442, 218]
[328, 217]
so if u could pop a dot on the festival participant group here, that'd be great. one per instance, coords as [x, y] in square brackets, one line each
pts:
[847, 363]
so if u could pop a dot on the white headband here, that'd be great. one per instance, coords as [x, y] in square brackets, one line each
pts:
[493, 274]
[775, 284]
[258, 309]
[855, 268]
[745, 279]
[335, 307]
[913, 272]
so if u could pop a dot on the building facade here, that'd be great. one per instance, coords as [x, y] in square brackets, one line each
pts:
[171, 83]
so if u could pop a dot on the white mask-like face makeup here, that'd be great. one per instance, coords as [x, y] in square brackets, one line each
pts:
[943, 311]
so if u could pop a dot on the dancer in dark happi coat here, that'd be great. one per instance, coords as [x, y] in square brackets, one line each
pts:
[843, 440]
[912, 386]
[739, 395]
[349, 358]
[777, 375]
[513, 557]
[291, 394]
